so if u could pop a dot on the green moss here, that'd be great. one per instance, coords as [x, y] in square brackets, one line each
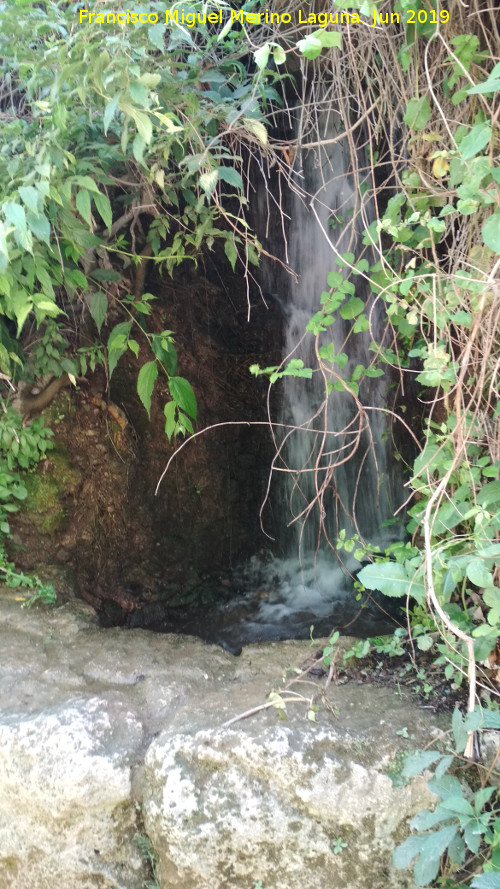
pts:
[48, 486]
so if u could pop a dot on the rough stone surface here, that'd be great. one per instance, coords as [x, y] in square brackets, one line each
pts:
[107, 734]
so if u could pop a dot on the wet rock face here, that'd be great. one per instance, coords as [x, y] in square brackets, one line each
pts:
[106, 735]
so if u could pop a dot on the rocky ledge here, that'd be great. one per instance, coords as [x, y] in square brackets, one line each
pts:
[117, 770]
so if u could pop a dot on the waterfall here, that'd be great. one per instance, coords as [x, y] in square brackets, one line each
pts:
[329, 444]
[311, 584]
[333, 444]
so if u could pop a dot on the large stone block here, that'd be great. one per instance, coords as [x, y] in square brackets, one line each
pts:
[66, 814]
[264, 802]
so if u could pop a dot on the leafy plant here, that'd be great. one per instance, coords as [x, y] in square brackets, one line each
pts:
[44, 593]
[21, 448]
[105, 146]
[464, 818]
[430, 259]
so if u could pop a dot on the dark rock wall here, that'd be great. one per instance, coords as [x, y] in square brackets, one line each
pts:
[123, 542]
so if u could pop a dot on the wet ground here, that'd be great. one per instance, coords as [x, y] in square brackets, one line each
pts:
[269, 601]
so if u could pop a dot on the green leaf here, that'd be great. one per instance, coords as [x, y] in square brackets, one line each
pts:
[140, 118]
[4, 360]
[86, 182]
[491, 85]
[475, 140]
[117, 344]
[478, 573]
[149, 80]
[231, 176]
[119, 335]
[182, 393]
[392, 579]
[351, 308]
[231, 251]
[103, 208]
[170, 421]
[417, 114]
[360, 325]
[460, 733]
[482, 719]
[328, 38]
[15, 214]
[404, 854]
[32, 198]
[425, 819]
[444, 765]
[139, 93]
[482, 797]
[326, 352]
[310, 47]
[448, 516]
[185, 423]
[21, 305]
[427, 866]
[102, 275]
[156, 36]
[489, 493]
[457, 804]
[486, 881]
[295, 368]
[261, 56]
[165, 351]
[83, 205]
[257, 129]
[418, 762]
[47, 306]
[98, 306]
[445, 786]
[347, 259]
[467, 206]
[138, 146]
[208, 181]
[334, 279]
[145, 383]
[40, 226]
[109, 112]
[133, 345]
[362, 265]
[491, 232]
[429, 847]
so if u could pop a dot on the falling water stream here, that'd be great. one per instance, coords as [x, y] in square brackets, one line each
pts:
[310, 584]
[325, 446]
[332, 442]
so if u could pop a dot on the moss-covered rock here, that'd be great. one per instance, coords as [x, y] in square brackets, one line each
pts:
[49, 486]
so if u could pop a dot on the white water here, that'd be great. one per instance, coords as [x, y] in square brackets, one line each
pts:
[361, 496]
[313, 582]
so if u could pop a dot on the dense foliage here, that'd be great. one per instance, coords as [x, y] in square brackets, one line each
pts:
[436, 243]
[117, 143]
